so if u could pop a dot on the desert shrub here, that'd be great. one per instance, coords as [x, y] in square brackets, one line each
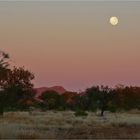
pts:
[80, 113]
[51, 99]
[69, 100]
[112, 108]
[61, 108]
[40, 105]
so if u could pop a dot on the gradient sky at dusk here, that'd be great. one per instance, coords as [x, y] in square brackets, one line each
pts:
[72, 43]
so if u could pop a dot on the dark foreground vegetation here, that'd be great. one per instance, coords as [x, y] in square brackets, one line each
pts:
[17, 93]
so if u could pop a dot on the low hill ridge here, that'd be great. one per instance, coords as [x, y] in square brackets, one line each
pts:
[58, 89]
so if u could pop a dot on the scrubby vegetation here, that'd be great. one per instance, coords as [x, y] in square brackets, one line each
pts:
[95, 98]
[17, 93]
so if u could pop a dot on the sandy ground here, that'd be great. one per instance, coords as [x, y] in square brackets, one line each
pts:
[64, 124]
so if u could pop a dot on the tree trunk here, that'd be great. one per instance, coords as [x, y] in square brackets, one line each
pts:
[1, 111]
[102, 112]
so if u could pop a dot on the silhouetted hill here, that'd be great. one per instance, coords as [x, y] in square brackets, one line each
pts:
[58, 89]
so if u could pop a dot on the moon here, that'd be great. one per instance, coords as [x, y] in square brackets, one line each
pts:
[114, 21]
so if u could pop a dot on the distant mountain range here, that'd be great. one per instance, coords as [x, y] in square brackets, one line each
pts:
[58, 89]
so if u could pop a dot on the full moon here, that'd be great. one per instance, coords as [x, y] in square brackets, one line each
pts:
[114, 21]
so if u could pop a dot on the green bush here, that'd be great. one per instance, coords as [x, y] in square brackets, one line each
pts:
[41, 105]
[112, 109]
[61, 108]
[80, 113]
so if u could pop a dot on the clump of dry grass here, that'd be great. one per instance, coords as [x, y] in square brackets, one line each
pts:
[17, 117]
[28, 135]
[123, 124]
[120, 124]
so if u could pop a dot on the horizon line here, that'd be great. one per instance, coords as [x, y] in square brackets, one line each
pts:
[70, 0]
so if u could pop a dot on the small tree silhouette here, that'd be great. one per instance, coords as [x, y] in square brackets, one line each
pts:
[99, 97]
[4, 58]
[52, 99]
[15, 85]
[18, 87]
